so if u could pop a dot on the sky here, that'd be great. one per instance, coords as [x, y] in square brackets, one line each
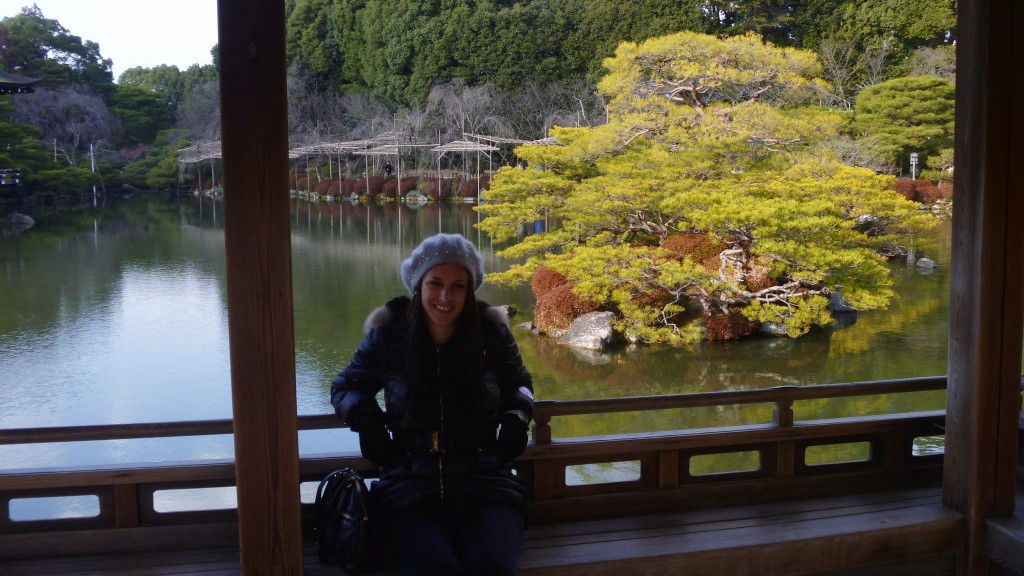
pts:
[134, 33]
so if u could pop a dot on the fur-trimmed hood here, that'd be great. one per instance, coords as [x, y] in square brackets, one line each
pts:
[385, 314]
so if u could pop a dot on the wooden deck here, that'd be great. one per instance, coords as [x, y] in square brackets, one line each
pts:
[1005, 534]
[910, 529]
[212, 562]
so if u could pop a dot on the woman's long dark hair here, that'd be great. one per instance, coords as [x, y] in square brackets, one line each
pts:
[467, 339]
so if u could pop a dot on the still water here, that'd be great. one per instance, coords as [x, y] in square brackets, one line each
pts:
[117, 314]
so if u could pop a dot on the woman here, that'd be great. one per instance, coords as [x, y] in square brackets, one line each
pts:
[458, 402]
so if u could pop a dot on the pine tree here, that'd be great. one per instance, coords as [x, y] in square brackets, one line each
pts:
[708, 193]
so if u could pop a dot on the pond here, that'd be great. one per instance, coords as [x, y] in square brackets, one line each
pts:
[117, 314]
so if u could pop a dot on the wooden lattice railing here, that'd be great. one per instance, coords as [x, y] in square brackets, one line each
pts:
[662, 475]
[781, 470]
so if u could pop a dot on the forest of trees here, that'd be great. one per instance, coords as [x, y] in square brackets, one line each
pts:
[78, 117]
[440, 68]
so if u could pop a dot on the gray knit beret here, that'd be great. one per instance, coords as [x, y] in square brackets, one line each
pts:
[441, 249]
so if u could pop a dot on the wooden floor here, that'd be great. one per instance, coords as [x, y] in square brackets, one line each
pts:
[1005, 535]
[219, 562]
[802, 535]
[908, 528]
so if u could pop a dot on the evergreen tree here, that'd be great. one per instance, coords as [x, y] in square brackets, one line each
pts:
[717, 139]
[142, 114]
[904, 115]
[40, 47]
[20, 148]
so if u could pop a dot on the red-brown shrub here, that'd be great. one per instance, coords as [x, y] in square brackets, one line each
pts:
[728, 326]
[657, 298]
[557, 309]
[428, 188]
[545, 280]
[758, 278]
[409, 184]
[468, 189]
[683, 244]
[376, 184]
[701, 248]
[923, 191]
[946, 189]
[904, 188]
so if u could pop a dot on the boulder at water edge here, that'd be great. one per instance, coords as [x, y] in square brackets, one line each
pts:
[591, 331]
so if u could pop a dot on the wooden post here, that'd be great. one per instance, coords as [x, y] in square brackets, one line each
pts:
[986, 275]
[126, 505]
[785, 452]
[668, 469]
[541, 426]
[257, 241]
[782, 416]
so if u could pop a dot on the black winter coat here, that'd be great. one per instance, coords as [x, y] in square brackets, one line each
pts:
[447, 453]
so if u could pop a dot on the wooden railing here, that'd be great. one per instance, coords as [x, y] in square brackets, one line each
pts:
[662, 476]
[667, 478]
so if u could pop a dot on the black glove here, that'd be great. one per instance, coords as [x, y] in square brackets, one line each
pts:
[512, 437]
[377, 446]
[375, 443]
[364, 415]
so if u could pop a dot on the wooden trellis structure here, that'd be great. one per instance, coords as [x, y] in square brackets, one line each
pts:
[382, 145]
[386, 150]
[497, 140]
[198, 153]
[465, 146]
[329, 149]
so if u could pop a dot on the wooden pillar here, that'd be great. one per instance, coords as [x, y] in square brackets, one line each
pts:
[986, 276]
[257, 241]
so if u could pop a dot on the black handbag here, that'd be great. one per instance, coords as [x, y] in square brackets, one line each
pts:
[342, 525]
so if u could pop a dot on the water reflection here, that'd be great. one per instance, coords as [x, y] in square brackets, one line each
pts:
[117, 314]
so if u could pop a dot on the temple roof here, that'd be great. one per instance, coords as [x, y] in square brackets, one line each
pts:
[14, 84]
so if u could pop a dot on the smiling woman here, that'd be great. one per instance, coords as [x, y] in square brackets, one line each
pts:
[441, 272]
[443, 296]
[458, 401]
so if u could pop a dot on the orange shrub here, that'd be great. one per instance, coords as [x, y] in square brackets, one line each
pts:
[557, 309]
[701, 248]
[946, 189]
[728, 326]
[545, 280]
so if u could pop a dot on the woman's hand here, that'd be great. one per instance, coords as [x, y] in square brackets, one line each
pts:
[512, 437]
[377, 446]
[375, 443]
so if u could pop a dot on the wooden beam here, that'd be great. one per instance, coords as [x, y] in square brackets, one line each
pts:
[257, 240]
[987, 271]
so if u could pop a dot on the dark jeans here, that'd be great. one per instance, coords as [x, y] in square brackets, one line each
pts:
[483, 541]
